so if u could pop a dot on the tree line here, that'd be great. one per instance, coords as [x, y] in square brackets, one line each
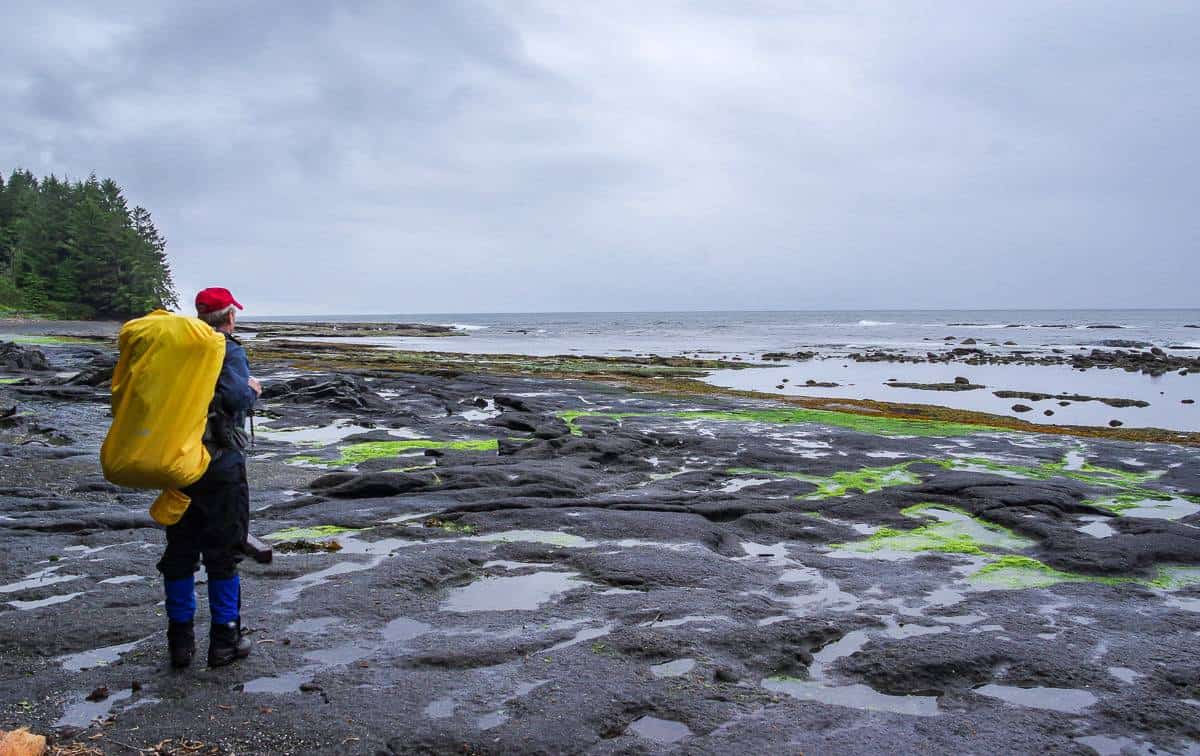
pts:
[76, 250]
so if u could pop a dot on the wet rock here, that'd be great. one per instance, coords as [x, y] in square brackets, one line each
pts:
[523, 422]
[786, 356]
[341, 392]
[1033, 396]
[1021, 408]
[968, 341]
[1048, 413]
[955, 386]
[1115, 423]
[374, 485]
[1124, 343]
[820, 384]
[1187, 401]
[16, 357]
[511, 403]
[97, 373]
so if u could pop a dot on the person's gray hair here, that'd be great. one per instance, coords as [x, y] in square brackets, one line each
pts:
[216, 318]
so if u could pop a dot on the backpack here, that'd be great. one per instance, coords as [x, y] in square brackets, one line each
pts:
[162, 388]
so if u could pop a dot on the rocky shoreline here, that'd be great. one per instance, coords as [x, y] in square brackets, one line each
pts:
[539, 562]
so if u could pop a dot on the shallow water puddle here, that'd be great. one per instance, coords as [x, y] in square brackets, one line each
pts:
[1067, 700]
[39, 579]
[123, 579]
[855, 696]
[738, 484]
[1097, 527]
[663, 731]
[83, 712]
[1125, 674]
[441, 708]
[26, 606]
[289, 682]
[323, 435]
[673, 668]
[517, 593]
[1115, 745]
[525, 688]
[320, 577]
[1170, 508]
[492, 720]
[587, 634]
[97, 657]
[314, 626]
[404, 629]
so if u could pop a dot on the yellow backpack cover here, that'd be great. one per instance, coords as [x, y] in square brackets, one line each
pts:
[161, 390]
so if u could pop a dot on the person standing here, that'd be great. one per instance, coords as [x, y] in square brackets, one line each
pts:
[216, 523]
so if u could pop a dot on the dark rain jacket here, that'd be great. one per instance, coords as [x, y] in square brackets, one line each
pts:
[233, 399]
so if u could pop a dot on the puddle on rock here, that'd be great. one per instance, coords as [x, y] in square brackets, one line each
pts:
[525, 688]
[289, 682]
[441, 708]
[1097, 527]
[1167, 508]
[489, 721]
[1067, 700]
[404, 629]
[855, 696]
[123, 579]
[704, 618]
[298, 586]
[313, 626]
[673, 668]
[663, 731]
[586, 634]
[39, 579]
[83, 712]
[1124, 674]
[1115, 745]
[97, 657]
[26, 606]
[517, 593]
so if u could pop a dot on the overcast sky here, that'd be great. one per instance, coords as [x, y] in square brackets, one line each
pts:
[373, 157]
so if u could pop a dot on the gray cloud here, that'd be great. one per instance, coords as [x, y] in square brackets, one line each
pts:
[471, 156]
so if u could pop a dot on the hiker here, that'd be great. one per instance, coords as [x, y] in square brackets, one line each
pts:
[215, 524]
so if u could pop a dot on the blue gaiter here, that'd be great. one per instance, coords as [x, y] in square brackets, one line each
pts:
[181, 598]
[224, 600]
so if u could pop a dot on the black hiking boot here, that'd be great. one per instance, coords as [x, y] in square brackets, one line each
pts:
[226, 644]
[181, 640]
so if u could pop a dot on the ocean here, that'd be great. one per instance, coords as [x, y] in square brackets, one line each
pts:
[741, 333]
[833, 334]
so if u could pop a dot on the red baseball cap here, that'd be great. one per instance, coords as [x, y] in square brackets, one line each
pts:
[213, 299]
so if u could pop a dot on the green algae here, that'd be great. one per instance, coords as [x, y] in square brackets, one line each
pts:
[314, 533]
[1014, 572]
[1095, 475]
[9, 381]
[865, 480]
[450, 526]
[953, 532]
[353, 454]
[47, 340]
[879, 426]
